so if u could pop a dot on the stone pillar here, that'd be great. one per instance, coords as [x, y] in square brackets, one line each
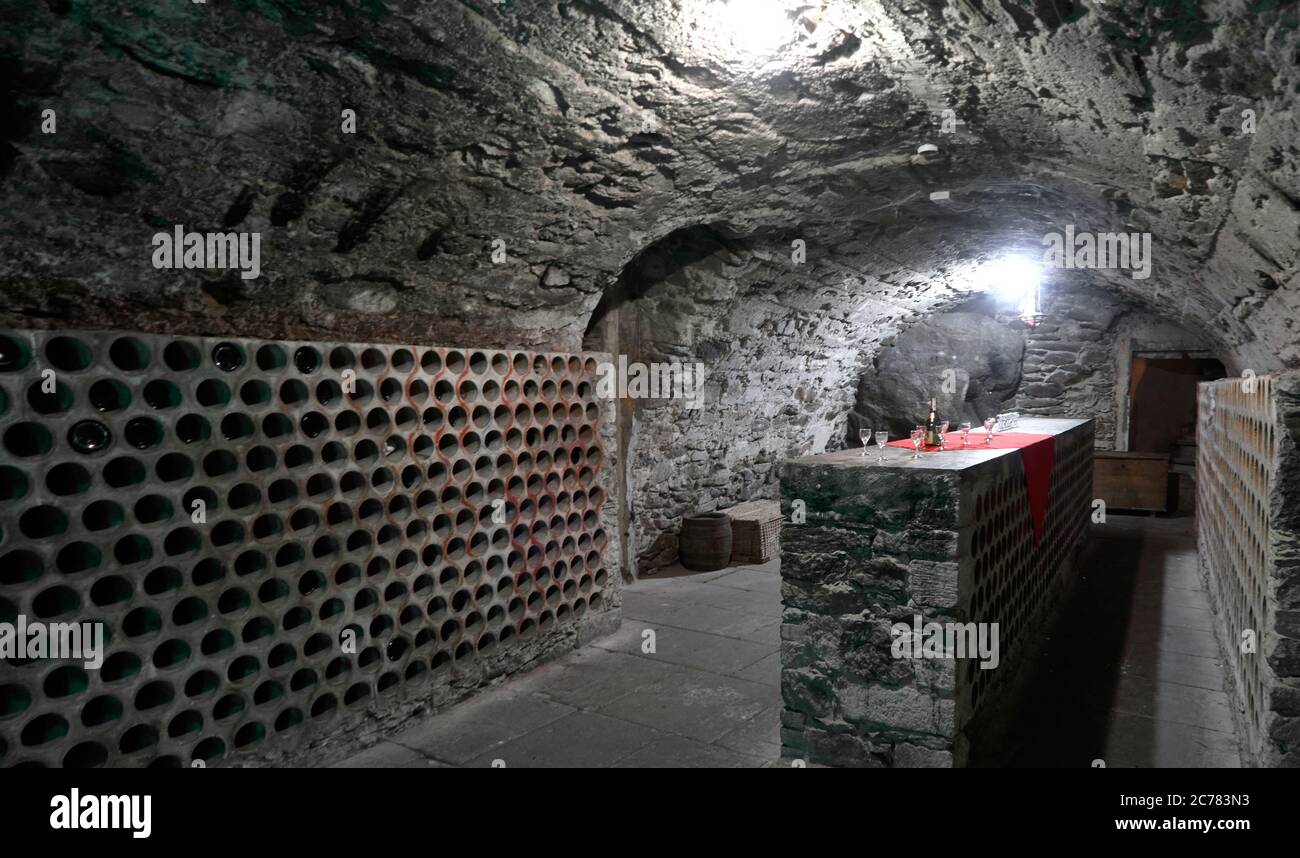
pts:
[947, 537]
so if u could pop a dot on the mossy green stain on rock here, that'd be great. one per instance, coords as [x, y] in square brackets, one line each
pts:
[1284, 12]
[321, 67]
[301, 18]
[295, 20]
[92, 13]
[808, 692]
[1183, 21]
[121, 158]
[428, 73]
[887, 500]
[165, 38]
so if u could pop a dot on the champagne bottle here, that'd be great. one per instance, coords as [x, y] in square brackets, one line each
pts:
[932, 428]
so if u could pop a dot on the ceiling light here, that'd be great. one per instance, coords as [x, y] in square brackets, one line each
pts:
[757, 26]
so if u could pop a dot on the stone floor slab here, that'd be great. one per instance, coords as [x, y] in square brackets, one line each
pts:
[594, 680]
[385, 755]
[1134, 741]
[477, 726]
[1178, 704]
[578, 740]
[760, 736]
[750, 579]
[695, 704]
[699, 650]
[767, 671]
[676, 752]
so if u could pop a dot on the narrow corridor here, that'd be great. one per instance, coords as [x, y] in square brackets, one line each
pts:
[1132, 675]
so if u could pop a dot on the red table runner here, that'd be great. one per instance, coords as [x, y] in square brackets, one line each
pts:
[1037, 452]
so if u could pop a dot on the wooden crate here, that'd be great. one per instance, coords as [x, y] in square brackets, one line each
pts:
[755, 531]
[1132, 480]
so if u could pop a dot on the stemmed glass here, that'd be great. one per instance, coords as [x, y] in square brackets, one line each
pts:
[943, 435]
[882, 438]
[864, 435]
[988, 429]
[965, 433]
[918, 437]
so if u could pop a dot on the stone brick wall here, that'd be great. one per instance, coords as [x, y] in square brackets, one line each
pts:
[877, 546]
[780, 374]
[1077, 359]
[882, 544]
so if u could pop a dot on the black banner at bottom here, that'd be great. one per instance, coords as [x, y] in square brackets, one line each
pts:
[225, 808]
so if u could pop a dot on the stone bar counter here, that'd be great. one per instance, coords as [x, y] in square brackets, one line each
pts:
[946, 538]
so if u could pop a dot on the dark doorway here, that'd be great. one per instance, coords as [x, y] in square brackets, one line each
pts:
[1162, 397]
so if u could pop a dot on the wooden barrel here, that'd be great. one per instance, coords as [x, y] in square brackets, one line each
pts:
[705, 541]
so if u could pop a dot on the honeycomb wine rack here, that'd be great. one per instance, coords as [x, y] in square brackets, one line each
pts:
[1237, 460]
[1016, 583]
[236, 511]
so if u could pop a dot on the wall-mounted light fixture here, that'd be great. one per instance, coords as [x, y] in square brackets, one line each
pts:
[1015, 280]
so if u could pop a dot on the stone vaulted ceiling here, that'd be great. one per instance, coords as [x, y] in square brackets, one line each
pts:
[573, 135]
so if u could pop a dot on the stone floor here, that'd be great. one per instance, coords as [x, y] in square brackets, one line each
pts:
[707, 696]
[1131, 676]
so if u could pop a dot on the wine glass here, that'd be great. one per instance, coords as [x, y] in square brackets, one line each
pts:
[882, 438]
[965, 432]
[943, 433]
[864, 435]
[989, 423]
[918, 437]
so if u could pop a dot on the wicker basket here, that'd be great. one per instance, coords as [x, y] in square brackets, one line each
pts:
[755, 531]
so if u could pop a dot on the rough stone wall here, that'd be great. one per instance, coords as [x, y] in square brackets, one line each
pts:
[968, 359]
[775, 387]
[573, 135]
[882, 544]
[1069, 367]
[782, 354]
[781, 378]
